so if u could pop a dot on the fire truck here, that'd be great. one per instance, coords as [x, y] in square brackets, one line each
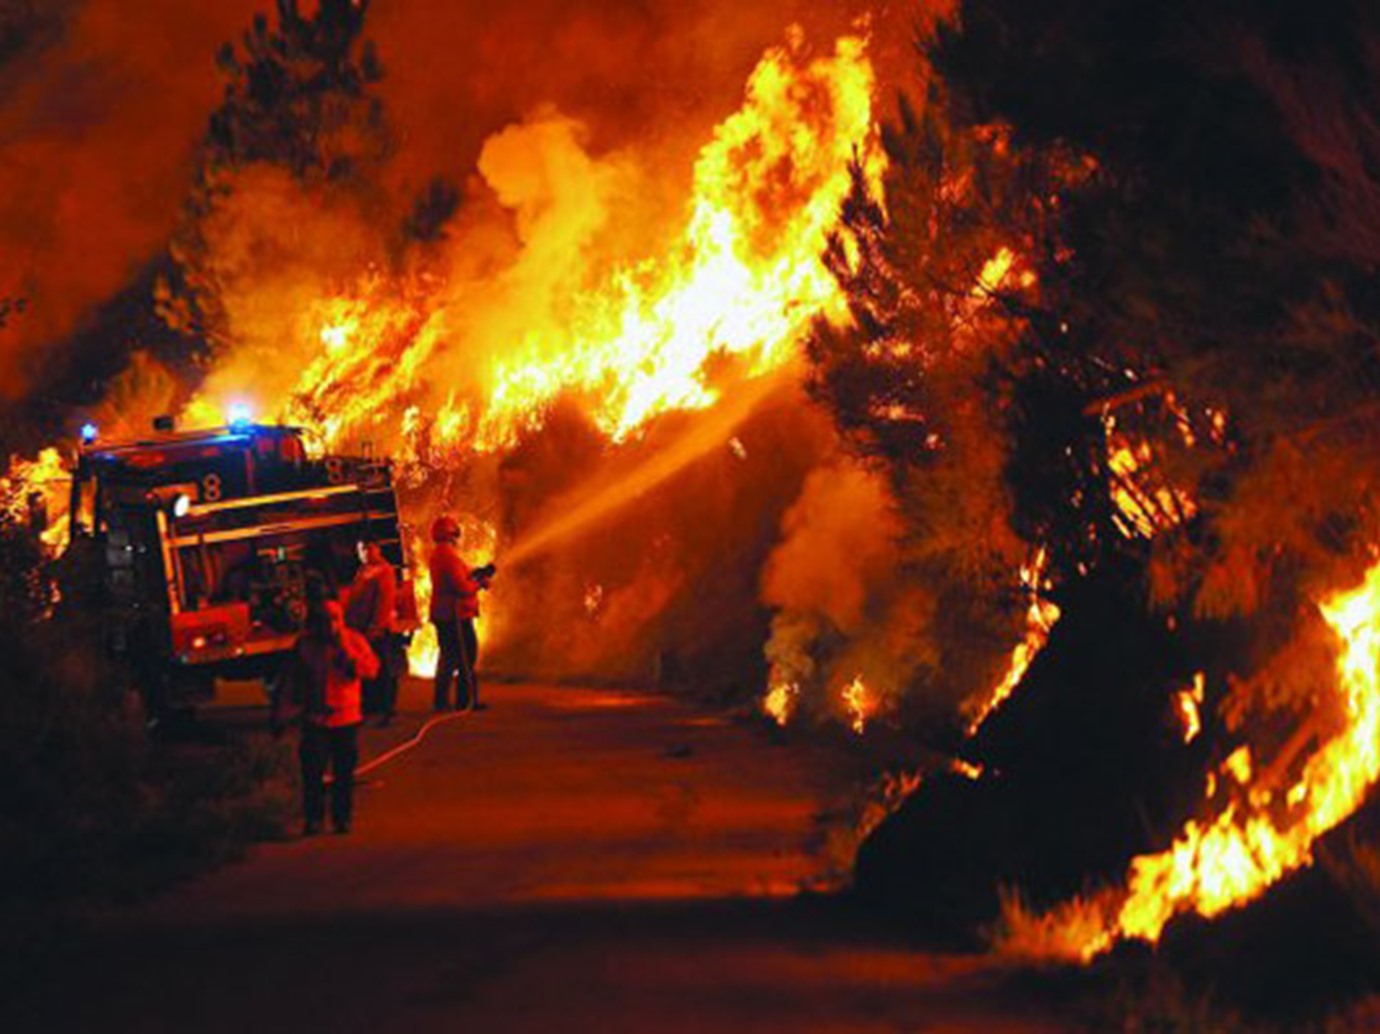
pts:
[205, 542]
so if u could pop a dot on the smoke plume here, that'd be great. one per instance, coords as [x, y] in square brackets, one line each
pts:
[842, 612]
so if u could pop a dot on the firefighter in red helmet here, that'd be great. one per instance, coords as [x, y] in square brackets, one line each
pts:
[454, 607]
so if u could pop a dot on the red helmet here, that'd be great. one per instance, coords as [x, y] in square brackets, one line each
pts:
[445, 528]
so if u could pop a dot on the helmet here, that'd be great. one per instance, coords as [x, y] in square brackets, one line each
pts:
[445, 528]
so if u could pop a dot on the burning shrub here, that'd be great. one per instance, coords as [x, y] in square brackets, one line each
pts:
[1146, 423]
[1075, 771]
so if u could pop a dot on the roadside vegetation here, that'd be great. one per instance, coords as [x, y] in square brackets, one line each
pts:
[93, 810]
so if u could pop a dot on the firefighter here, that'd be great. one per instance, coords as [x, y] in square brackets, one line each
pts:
[323, 689]
[370, 609]
[454, 606]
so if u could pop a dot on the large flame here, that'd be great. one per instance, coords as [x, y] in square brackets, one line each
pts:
[748, 278]
[741, 287]
[728, 302]
[1225, 862]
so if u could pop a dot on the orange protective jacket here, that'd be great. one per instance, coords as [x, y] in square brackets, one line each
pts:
[372, 599]
[324, 684]
[454, 594]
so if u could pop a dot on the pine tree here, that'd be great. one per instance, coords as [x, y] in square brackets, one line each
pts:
[298, 96]
[947, 319]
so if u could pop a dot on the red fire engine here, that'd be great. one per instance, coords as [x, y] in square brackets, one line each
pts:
[207, 539]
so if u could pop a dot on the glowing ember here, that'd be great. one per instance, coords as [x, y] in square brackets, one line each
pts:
[1145, 503]
[886, 795]
[780, 701]
[1217, 865]
[1187, 706]
[966, 769]
[997, 271]
[1238, 765]
[1040, 619]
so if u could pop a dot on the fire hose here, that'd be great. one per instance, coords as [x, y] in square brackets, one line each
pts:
[402, 748]
[420, 734]
[406, 745]
[484, 574]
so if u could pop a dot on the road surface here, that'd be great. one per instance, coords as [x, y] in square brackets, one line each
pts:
[568, 860]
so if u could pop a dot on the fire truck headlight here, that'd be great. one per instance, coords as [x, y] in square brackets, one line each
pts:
[88, 433]
[181, 504]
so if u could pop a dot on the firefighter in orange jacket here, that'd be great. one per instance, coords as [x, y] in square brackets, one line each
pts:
[324, 689]
[454, 606]
[371, 603]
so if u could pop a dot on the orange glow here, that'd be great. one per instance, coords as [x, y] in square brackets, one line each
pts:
[594, 598]
[1040, 619]
[1217, 864]
[423, 653]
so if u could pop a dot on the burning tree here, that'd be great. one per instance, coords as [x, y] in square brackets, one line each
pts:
[1189, 397]
[1195, 285]
[930, 381]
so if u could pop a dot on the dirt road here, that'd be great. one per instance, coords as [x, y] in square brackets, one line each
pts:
[567, 860]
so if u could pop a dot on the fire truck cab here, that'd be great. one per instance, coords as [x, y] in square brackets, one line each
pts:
[206, 540]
